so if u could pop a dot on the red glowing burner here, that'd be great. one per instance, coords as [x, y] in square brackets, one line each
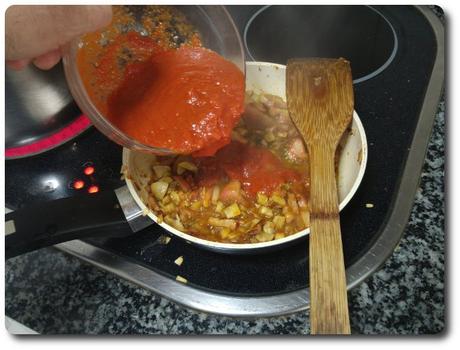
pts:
[78, 184]
[89, 170]
[93, 189]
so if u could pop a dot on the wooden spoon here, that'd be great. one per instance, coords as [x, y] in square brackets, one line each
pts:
[320, 103]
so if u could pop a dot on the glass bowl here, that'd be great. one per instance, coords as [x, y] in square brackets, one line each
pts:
[218, 33]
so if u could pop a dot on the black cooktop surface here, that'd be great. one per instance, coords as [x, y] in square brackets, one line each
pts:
[388, 102]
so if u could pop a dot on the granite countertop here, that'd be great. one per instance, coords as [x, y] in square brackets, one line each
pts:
[54, 293]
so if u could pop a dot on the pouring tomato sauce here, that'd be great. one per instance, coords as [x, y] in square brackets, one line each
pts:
[187, 100]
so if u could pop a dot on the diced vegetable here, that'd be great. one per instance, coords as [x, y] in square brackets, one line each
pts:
[183, 166]
[264, 236]
[174, 222]
[196, 205]
[224, 232]
[262, 199]
[273, 100]
[279, 222]
[292, 201]
[269, 227]
[266, 101]
[184, 185]
[167, 179]
[279, 235]
[169, 208]
[278, 200]
[302, 202]
[232, 211]
[181, 279]
[254, 222]
[175, 197]
[256, 119]
[179, 261]
[229, 223]
[215, 194]
[219, 207]
[161, 170]
[296, 151]
[269, 136]
[289, 218]
[265, 211]
[207, 192]
[231, 192]
[159, 189]
[305, 215]
[166, 199]
[280, 114]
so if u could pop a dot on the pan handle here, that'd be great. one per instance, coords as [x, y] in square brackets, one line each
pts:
[48, 223]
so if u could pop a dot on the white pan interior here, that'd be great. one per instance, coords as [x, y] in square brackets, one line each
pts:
[268, 78]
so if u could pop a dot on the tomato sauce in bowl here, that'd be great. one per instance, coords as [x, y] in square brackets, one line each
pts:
[159, 91]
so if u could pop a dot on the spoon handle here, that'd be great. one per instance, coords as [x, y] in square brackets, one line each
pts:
[328, 288]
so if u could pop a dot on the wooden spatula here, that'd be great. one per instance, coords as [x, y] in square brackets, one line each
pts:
[320, 103]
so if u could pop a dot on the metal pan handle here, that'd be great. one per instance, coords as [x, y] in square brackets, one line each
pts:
[48, 223]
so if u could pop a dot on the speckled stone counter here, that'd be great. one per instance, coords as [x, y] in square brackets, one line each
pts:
[54, 293]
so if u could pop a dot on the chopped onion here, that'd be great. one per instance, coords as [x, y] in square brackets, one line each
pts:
[305, 218]
[232, 211]
[265, 211]
[262, 199]
[159, 189]
[278, 200]
[229, 223]
[182, 166]
[161, 170]
[269, 228]
[279, 221]
[215, 194]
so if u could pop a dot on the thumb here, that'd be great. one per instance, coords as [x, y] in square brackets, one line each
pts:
[32, 31]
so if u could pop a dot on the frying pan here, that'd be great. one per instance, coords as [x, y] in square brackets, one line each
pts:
[123, 211]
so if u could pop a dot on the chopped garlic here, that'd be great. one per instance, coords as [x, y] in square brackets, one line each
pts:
[369, 205]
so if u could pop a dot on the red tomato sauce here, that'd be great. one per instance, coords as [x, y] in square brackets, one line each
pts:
[258, 169]
[187, 100]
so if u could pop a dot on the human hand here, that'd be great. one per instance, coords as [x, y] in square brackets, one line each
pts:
[37, 33]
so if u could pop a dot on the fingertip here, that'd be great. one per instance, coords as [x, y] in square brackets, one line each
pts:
[48, 60]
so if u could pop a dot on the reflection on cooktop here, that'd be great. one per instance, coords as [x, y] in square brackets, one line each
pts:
[357, 33]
